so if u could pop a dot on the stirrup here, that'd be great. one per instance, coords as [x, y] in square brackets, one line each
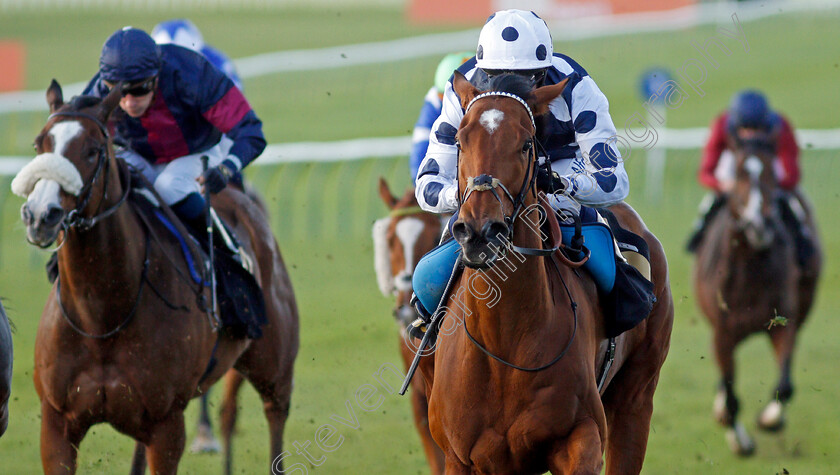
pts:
[420, 325]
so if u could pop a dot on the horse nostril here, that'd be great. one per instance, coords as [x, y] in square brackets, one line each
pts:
[26, 214]
[495, 231]
[53, 215]
[461, 231]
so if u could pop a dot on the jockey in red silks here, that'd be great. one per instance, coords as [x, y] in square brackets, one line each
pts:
[749, 117]
[175, 107]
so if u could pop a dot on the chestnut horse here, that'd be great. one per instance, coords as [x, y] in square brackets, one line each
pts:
[400, 240]
[5, 369]
[747, 280]
[122, 338]
[514, 385]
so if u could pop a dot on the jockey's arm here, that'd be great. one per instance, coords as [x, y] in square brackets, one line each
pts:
[436, 186]
[420, 137]
[711, 154]
[596, 177]
[222, 104]
[788, 153]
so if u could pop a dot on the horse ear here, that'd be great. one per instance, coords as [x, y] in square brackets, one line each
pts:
[109, 103]
[544, 95]
[385, 193]
[464, 88]
[55, 98]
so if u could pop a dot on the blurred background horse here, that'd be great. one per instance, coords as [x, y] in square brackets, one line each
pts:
[400, 240]
[747, 280]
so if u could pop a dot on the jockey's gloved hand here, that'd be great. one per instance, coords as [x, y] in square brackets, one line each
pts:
[550, 182]
[217, 178]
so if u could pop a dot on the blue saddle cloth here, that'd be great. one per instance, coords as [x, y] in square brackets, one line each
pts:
[601, 264]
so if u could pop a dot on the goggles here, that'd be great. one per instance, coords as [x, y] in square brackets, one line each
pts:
[137, 89]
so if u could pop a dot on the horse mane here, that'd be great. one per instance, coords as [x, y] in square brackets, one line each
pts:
[83, 102]
[510, 83]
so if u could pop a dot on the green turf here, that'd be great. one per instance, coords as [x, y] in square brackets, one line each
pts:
[322, 216]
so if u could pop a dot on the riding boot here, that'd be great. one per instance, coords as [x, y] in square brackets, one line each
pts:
[420, 325]
[703, 221]
[801, 235]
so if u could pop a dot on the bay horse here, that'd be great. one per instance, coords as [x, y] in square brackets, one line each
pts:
[514, 387]
[6, 356]
[123, 339]
[400, 240]
[747, 280]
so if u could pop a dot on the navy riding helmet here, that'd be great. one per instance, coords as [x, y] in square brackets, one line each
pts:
[129, 55]
[750, 109]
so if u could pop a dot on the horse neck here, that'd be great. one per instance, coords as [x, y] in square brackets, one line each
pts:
[517, 301]
[109, 256]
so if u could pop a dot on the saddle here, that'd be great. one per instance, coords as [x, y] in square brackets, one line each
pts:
[241, 307]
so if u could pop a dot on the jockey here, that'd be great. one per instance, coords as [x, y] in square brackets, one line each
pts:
[577, 134]
[175, 107]
[431, 109]
[183, 32]
[750, 117]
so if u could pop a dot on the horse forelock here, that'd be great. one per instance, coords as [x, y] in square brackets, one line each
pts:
[382, 256]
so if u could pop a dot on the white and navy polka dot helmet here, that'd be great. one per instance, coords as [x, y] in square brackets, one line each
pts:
[514, 39]
[181, 32]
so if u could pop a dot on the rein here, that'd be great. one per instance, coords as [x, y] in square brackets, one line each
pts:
[559, 356]
[486, 182]
[131, 313]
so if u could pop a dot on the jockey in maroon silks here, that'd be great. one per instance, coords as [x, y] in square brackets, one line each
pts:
[749, 118]
[175, 107]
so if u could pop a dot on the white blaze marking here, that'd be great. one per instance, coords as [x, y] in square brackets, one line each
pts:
[408, 230]
[45, 193]
[63, 133]
[752, 211]
[491, 119]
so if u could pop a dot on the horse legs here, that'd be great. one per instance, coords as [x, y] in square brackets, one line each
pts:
[455, 467]
[228, 413]
[276, 405]
[138, 461]
[420, 407]
[166, 444]
[726, 403]
[204, 441]
[60, 441]
[628, 404]
[580, 453]
[771, 418]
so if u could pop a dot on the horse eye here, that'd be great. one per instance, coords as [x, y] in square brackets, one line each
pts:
[526, 147]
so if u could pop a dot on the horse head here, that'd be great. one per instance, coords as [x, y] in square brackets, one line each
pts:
[751, 200]
[400, 240]
[497, 153]
[60, 184]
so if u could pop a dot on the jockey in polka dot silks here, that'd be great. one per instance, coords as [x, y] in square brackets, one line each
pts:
[577, 137]
[578, 133]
